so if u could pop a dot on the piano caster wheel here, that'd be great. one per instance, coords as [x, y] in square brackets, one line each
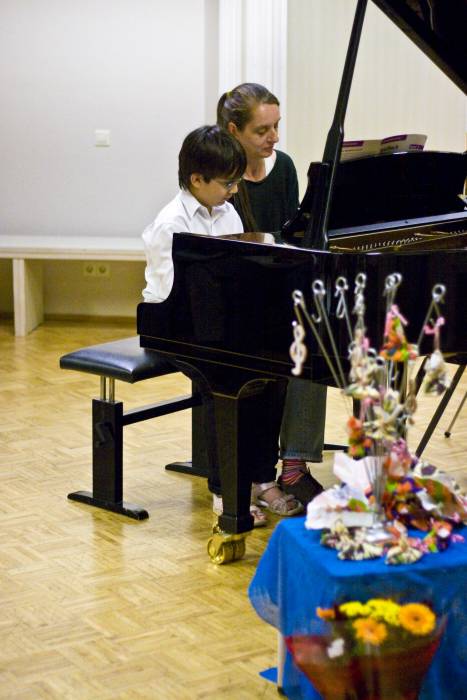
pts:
[224, 547]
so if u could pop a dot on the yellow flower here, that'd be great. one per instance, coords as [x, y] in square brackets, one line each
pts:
[382, 609]
[370, 631]
[326, 613]
[354, 609]
[417, 618]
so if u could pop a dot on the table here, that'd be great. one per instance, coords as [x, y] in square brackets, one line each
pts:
[296, 574]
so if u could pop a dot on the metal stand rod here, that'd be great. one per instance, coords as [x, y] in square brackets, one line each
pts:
[440, 410]
[451, 424]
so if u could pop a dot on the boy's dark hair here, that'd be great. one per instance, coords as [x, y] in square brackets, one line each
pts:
[212, 152]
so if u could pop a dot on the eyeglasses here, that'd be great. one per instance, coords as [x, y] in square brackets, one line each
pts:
[229, 184]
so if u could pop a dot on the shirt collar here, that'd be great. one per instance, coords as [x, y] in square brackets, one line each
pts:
[192, 206]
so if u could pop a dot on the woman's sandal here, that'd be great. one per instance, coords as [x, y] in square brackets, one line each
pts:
[260, 518]
[281, 505]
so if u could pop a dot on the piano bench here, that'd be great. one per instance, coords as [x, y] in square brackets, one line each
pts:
[127, 361]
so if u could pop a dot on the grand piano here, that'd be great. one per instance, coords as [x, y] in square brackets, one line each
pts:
[227, 321]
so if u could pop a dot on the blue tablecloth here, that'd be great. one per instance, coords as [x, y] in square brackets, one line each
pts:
[296, 574]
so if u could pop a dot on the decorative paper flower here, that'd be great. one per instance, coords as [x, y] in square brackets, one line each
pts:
[417, 618]
[359, 443]
[364, 371]
[437, 539]
[396, 348]
[398, 460]
[384, 423]
[449, 502]
[404, 552]
[341, 506]
[436, 378]
[350, 545]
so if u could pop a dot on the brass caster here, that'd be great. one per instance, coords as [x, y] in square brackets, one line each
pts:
[224, 547]
[216, 530]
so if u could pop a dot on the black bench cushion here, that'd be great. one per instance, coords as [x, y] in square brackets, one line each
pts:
[120, 359]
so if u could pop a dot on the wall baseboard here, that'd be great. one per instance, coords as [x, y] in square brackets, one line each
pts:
[87, 318]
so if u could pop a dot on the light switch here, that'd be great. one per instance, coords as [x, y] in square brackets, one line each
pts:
[102, 137]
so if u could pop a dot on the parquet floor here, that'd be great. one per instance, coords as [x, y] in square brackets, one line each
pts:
[95, 606]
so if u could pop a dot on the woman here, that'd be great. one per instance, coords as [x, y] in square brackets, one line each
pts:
[267, 197]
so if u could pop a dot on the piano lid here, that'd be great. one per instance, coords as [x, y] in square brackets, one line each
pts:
[438, 28]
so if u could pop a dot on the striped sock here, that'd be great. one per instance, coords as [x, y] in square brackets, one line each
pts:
[292, 470]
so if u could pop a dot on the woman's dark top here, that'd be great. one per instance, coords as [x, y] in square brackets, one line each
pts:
[274, 199]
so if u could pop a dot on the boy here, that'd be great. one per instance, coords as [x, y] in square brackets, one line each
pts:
[211, 164]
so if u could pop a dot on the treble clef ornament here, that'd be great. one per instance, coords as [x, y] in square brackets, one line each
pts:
[298, 349]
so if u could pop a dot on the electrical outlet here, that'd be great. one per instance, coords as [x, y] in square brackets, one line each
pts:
[96, 269]
[89, 269]
[102, 269]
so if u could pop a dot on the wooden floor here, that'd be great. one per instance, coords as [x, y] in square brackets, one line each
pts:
[96, 606]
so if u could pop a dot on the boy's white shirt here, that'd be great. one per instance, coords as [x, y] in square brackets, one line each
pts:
[183, 214]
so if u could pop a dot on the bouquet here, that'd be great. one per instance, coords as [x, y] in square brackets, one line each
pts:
[378, 650]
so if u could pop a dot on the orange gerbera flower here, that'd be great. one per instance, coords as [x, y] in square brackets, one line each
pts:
[326, 613]
[369, 630]
[417, 618]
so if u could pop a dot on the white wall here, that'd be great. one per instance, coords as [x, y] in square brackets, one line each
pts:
[148, 71]
[396, 88]
[144, 69]
[68, 67]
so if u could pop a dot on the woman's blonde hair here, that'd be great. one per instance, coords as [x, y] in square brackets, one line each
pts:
[237, 105]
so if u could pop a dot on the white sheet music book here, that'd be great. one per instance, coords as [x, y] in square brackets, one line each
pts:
[399, 143]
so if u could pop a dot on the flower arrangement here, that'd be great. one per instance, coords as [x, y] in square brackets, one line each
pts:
[375, 650]
[381, 480]
[380, 621]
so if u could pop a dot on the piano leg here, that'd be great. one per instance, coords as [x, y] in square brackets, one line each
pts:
[242, 423]
[228, 540]
[234, 465]
[247, 429]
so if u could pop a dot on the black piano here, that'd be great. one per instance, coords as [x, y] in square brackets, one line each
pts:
[227, 322]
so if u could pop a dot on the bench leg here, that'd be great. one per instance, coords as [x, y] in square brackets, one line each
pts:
[107, 462]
